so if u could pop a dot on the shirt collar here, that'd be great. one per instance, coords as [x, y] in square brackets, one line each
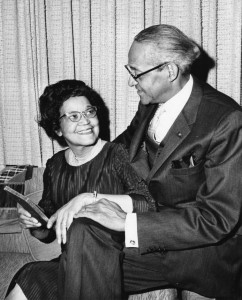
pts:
[177, 102]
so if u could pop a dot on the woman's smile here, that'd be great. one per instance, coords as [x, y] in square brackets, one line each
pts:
[82, 133]
[85, 131]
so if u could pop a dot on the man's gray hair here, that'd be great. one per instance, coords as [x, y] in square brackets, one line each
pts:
[170, 45]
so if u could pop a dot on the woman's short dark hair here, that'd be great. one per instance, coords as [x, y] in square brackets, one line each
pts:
[56, 94]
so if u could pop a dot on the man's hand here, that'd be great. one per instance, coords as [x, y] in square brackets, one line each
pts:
[106, 213]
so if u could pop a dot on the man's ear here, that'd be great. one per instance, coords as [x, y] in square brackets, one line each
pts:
[173, 71]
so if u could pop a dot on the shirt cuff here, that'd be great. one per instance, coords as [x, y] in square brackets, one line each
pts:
[131, 232]
[127, 205]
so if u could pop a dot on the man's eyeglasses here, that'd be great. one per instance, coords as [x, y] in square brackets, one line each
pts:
[75, 116]
[135, 77]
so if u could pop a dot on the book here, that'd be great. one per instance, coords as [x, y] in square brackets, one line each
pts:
[28, 205]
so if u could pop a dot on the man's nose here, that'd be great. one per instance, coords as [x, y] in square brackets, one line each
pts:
[132, 81]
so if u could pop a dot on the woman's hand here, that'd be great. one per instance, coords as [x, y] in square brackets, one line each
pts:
[26, 220]
[64, 216]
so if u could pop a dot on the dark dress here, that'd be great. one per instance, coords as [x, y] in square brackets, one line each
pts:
[108, 173]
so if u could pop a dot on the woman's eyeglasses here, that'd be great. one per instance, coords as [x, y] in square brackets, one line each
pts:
[75, 116]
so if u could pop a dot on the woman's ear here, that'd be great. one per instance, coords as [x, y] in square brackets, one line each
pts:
[173, 71]
[58, 132]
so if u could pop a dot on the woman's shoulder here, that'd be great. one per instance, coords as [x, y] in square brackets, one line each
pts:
[57, 158]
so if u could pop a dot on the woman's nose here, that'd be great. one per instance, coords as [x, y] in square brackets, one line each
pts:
[84, 120]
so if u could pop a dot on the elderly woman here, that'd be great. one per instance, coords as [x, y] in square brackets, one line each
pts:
[89, 169]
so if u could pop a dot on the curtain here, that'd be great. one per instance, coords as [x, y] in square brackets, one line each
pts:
[43, 41]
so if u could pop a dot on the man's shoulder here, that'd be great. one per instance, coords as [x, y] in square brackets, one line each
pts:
[214, 97]
[117, 147]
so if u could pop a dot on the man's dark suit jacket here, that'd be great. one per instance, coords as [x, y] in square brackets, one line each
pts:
[197, 227]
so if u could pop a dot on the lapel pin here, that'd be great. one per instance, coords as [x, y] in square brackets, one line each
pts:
[179, 134]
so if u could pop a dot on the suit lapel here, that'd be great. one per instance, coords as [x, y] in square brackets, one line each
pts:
[180, 129]
[138, 137]
[173, 139]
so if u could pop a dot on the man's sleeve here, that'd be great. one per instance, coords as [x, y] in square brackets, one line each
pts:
[131, 234]
[126, 137]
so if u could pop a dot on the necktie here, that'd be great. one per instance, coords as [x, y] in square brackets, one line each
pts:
[155, 128]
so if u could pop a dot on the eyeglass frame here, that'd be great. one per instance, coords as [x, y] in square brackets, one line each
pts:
[82, 114]
[135, 77]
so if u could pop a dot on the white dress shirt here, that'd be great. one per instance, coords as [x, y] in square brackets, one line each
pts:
[160, 124]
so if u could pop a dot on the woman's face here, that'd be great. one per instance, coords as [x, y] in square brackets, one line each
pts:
[82, 133]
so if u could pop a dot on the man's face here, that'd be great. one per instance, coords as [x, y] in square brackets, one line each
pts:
[152, 87]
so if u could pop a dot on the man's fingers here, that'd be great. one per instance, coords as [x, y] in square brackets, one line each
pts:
[106, 213]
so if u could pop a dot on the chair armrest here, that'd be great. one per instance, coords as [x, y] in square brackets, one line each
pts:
[9, 220]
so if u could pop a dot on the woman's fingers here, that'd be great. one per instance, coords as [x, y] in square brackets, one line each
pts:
[51, 220]
[58, 226]
[63, 222]
[63, 219]
[63, 230]
[26, 219]
[66, 223]
[69, 219]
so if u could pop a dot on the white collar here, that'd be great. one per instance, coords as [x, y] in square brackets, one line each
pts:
[167, 113]
[178, 101]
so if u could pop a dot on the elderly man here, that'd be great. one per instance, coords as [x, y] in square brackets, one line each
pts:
[186, 142]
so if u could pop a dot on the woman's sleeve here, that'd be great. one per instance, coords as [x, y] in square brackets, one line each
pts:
[46, 204]
[133, 184]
